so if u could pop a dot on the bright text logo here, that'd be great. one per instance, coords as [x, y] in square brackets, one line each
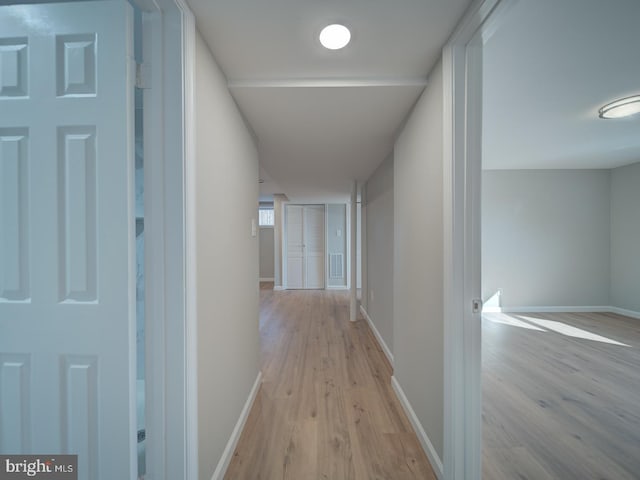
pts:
[49, 467]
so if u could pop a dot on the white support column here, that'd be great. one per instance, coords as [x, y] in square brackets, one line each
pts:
[353, 253]
[278, 217]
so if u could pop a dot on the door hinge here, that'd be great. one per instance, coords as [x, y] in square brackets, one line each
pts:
[476, 305]
[143, 75]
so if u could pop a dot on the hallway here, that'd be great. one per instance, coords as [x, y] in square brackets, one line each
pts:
[326, 408]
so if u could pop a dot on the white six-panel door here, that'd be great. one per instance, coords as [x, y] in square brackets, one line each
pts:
[67, 291]
[295, 246]
[305, 246]
[314, 246]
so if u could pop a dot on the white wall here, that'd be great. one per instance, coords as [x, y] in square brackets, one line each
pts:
[267, 251]
[625, 237]
[227, 260]
[545, 237]
[337, 240]
[379, 250]
[418, 260]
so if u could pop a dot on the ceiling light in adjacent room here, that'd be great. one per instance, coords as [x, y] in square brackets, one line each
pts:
[335, 37]
[624, 107]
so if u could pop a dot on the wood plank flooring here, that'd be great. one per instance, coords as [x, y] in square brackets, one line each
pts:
[558, 406]
[326, 409]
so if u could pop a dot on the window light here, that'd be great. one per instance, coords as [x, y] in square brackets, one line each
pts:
[266, 217]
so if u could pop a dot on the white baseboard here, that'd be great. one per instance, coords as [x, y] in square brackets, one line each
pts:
[337, 287]
[278, 287]
[625, 312]
[597, 309]
[427, 446]
[267, 279]
[223, 464]
[376, 333]
[555, 309]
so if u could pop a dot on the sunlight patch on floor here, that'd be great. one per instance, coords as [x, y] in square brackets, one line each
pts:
[544, 325]
[512, 321]
[571, 331]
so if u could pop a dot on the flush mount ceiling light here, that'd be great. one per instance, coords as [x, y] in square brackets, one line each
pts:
[335, 36]
[624, 107]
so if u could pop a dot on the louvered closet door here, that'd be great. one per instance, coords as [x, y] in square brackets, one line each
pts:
[314, 246]
[67, 270]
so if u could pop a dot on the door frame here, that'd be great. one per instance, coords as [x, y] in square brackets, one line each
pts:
[462, 96]
[170, 219]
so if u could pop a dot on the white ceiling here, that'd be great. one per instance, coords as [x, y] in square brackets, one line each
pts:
[324, 118]
[548, 68]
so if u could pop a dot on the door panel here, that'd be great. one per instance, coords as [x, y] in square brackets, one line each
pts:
[67, 265]
[314, 246]
[295, 252]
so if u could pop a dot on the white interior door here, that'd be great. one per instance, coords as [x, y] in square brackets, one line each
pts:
[294, 245]
[305, 246]
[314, 246]
[67, 252]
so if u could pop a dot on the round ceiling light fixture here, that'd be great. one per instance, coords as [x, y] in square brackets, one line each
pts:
[335, 36]
[625, 107]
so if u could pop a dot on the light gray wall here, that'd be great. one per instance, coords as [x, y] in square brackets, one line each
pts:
[337, 220]
[418, 331]
[227, 260]
[625, 237]
[278, 235]
[266, 252]
[545, 237]
[379, 250]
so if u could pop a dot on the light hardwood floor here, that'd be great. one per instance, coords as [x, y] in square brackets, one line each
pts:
[557, 406]
[326, 409]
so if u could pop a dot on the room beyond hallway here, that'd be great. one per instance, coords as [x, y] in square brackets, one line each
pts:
[561, 396]
[326, 408]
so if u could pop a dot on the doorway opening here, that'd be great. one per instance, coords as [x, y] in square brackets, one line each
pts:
[557, 200]
[81, 229]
